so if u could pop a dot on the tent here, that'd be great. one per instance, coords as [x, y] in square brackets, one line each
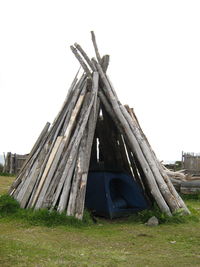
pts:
[93, 130]
[114, 194]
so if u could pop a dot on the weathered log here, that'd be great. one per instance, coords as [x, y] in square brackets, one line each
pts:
[85, 56]
[169, 198]
[115, 112]
[34, 149]
[77, 176]
[95, 47]
[80, 197]
[176, 184]
[65, 192]
[60, 143]
[77, 196]
[64, 196]
[105, 62]
[57, 176]
[81, 61]
[176, 199]
[74, 86]
[192, 187]
[49, 179]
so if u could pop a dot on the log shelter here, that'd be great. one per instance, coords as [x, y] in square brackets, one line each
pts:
[93, 130]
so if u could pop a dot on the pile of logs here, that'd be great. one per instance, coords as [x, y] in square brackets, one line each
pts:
[55, 173]
[184, 183]
[13, 162]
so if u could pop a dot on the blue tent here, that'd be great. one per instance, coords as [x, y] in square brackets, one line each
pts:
[113, 194]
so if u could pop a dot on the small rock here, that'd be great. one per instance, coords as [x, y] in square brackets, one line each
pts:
[173, 242]
[153, 221]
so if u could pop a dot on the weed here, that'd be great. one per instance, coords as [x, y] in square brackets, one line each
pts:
[8, 205]
[7, 174]
[191, 196]
[178, 217]
[9, 208]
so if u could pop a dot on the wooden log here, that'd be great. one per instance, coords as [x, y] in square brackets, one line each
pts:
[42, 149]
[125, 155]
[24, 192]
[12, 164]
[33, 151]
[169, 198]
[73, 101]
[95, 47]
[192, 187]
[65, 193]
[81, 61]
[38, 175]
[115, 112]
[42, 197]
[58, 142]
[132, 162]
[85, 56]
[49, 162]
[74, 115]
[77, 194]
[50, 174]
[105, 62]
[171, 190]
[67, 110]
[175, 175]
[176, 184]
[73, 87]
[54, 183]
[77, 176]
[80, 198]
[71, 151]
[66, 178]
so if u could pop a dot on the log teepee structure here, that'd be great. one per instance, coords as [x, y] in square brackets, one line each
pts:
[92, 128]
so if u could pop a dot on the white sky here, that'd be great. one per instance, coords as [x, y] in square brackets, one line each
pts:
[155, 65]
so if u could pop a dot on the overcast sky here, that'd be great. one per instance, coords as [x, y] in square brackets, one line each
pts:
[155, 65]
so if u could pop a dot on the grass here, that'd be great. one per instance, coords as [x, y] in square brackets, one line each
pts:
[121, 242]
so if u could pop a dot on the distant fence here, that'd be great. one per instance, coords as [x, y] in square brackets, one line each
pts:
[191, 163]
[13, 163]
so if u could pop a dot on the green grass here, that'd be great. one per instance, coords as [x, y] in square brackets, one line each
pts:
[121, 242]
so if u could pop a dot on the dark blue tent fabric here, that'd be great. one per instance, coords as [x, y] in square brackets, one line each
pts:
[113, 194]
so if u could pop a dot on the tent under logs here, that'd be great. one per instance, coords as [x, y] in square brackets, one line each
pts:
[92, 129]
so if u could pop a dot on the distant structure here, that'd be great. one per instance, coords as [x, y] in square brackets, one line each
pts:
[13, 163]
[191, 163]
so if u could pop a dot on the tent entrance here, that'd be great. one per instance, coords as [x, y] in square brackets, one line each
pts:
[119, 170]
[112, 194]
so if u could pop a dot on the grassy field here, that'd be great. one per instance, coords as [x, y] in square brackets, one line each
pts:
[106, 243]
